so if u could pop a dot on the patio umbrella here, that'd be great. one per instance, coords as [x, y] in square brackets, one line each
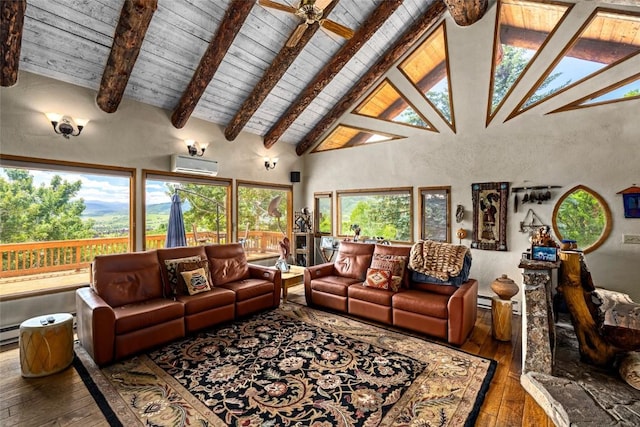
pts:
[176, 234]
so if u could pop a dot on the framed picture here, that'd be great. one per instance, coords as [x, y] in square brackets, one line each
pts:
[544, 253]
[490, 215]
[631, 200]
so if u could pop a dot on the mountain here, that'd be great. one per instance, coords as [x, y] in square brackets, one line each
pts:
[96, 208]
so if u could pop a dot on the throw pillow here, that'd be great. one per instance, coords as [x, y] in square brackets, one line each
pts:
[226, 270]
[172, 270]
[377, 278]
[196, 281]
[395, 263]
[182, 287]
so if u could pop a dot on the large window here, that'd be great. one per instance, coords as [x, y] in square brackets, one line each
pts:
[380, 213]
[56, 217]
[264, 217]
[204, 202]
[323, 213]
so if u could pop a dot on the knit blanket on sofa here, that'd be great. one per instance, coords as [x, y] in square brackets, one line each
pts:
[437, 259]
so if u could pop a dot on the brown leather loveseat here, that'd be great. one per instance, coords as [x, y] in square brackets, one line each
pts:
[443, 311]
[135, 302]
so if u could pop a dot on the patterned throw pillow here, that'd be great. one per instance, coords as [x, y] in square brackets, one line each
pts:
[395, 263]
[196, 281]
[182, 288]
[377, 278]
[172, 270]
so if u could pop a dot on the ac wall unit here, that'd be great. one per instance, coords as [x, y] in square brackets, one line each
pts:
[195, 165]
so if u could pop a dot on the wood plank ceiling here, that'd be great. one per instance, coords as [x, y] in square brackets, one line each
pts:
[222, 61]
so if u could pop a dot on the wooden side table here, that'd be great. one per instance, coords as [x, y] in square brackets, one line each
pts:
[501, 316]
[46, 344]
[293, 277]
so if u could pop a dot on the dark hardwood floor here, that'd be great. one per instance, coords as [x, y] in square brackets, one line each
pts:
[63, 400]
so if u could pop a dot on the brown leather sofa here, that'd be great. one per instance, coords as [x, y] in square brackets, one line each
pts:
[443, 311]
[130, 305]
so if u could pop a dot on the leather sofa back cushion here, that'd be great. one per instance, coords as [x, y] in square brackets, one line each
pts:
[127, 278]
[228, 263]
[353, 259]
[175, 253]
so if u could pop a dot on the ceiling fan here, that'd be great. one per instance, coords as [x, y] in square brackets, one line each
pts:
[311, 11]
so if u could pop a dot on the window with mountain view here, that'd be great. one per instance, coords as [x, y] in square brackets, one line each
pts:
[264, 217]
[204, 203]
[56, 219]
[384, 213]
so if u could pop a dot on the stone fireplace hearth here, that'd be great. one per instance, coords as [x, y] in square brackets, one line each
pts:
[571, 392]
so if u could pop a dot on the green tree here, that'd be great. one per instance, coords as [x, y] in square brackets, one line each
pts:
[35, 214]
[581, 218]
[632, 93]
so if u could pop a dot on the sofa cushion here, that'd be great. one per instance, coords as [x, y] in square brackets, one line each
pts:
[128, 278]
[172, 271]
[164, 254]
[353, 259]
[377, 278]
[228, 263]
[134, 317]
[336, 285]
[216, 297]
[250, 288]
[183, 289]
[395, 263]
[196, 280]
[372, 295]
[432, 305]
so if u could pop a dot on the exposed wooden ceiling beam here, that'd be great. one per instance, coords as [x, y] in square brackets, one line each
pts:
[331, 69]
[127, 41]
[601, 51]
[400, 47]
[11, 25]
[270, 78]
[467, 12]
[233, 19]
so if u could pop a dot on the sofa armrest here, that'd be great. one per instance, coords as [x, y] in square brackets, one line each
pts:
[314, 272]
[271, 274]
[463, 311]
[95, 325]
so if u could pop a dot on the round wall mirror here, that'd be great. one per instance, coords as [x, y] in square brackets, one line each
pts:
[582, 215]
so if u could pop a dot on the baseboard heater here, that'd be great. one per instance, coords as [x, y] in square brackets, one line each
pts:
[11, 334]
[485, 302]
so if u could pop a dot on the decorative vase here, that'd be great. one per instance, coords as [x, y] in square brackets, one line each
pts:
[504, 287]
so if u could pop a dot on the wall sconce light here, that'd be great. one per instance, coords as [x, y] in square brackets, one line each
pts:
[270, 163]
[66, 125]
[195, 148]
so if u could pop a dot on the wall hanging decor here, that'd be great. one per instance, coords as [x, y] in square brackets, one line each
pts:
[490, 215]
[631, 200]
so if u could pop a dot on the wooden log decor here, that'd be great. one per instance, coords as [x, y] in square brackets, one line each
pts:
[234, 17]
[331, 69]
[270, 78]
[466, 12]
[593, 346]
[399, 48]
[127, 41]
[11, 39]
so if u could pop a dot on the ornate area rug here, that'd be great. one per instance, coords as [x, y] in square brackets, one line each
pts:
[296, 366]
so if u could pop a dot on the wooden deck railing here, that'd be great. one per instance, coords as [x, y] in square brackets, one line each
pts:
[21, 259]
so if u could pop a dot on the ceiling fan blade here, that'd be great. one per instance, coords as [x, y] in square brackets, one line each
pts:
[322, 4]
[277, 6]
[334, 27]
[297, 35]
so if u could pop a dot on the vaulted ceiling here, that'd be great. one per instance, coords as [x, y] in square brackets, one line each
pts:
[230, 62]
[224, 61]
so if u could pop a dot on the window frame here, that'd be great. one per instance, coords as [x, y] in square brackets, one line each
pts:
[372, 192]
[316, 212]
[53, 165]
[187, 178]
[281, 187]
[607, 216]
[423, 191]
